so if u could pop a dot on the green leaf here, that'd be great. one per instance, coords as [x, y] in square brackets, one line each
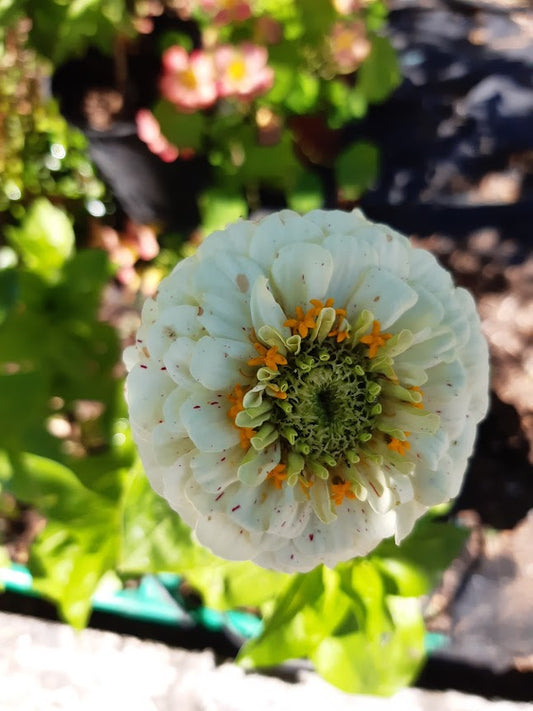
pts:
[292, 626]
[68, 563]
[45, 239]
[8, 291]
[156, 540]
[271, 165]
[380, 73]
[183, 130]
[307, 194]
[359, 638]
[81, 540]
[303, 94]
[381, 664]
[356, 169]
[228, 585]
[61, 29]
[22, 406]
[427, 552]
[219, 207]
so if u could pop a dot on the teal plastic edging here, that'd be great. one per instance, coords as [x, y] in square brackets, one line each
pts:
[156, 599]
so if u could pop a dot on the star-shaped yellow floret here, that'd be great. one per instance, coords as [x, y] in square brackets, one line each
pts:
[399, 445]
[268, 357]
[340, 491]
[375, 339]
[235, 398]
[302, 323]
[277, 475]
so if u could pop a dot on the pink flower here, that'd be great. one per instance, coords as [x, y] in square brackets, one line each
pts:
[188, 79]
[349, 46]
[149, 131]
[243, 71]
[225, 11]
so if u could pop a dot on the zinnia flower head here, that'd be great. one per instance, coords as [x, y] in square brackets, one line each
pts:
[303, 387]
[188, 80]
[242, 71]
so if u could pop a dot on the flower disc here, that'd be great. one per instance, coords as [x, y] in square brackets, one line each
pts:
[303, 387]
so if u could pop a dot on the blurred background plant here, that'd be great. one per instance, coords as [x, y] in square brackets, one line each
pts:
[195, 113]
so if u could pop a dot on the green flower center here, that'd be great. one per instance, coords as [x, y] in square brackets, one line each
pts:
[332, 401]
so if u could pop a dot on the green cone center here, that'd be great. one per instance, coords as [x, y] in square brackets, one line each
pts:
[332, 401]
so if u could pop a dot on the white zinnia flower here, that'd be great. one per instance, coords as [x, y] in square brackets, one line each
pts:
[303, 387]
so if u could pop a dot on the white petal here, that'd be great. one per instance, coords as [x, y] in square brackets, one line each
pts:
[265, 508]
[176, 289]
[226, 316]
[171, 411]
[169, 446]
[406, 517]
[227, 273]
[333, 222]
[218, 363]
[175, 480]
[233, 239]
[130, 357]
[430, 352]
[300, 273]
[277, 230]
[255, 466]
[351, 258]
[426, 272]
[214, 471]
[384, 294]
[150, 465]
[475, 359]
[226, 538]
[428, 449]
[177, 361]
[434, 487]
[427, 312]
[172, 323]
[146, 389]
[265, 310]
[207, 422]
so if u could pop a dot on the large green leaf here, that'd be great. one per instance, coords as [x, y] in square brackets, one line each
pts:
[356, 170]
[219, 207]
[45, 239]
[81, 540]
[380, 73]
[358, 636]
[307, 193]
[156, 540]
[61, 29]
[425, 553]
[22, 406]
[183, 130]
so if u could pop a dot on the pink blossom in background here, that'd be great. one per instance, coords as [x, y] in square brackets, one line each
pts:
[225, 11]
[349, 45]
[149, 131]
[125, 248]
[243, 71]
[188, 80]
